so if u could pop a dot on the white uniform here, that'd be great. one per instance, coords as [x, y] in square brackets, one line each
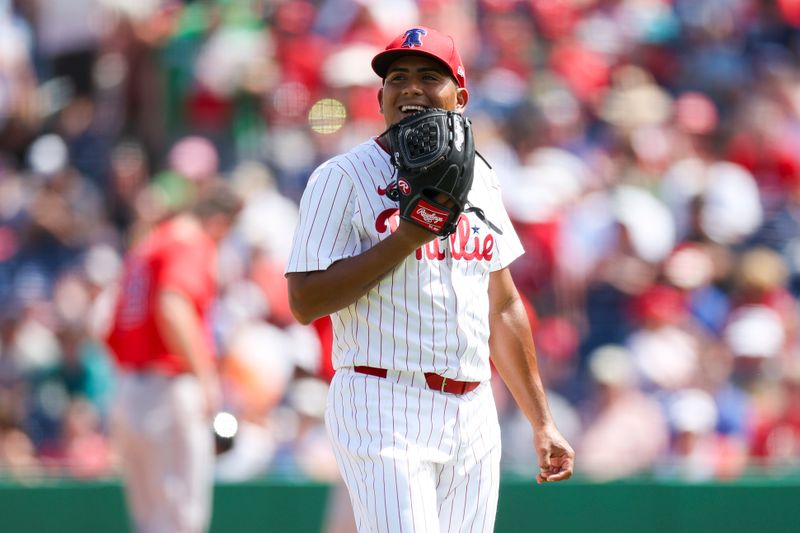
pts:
[413, 459]
[166, 451]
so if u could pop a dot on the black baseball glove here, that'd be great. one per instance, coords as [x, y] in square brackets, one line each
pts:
[433, 153]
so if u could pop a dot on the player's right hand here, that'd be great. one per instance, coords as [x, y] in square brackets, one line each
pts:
[417, 235]
[556, 457]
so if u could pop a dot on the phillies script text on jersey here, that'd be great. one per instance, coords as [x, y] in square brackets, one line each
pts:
[460, 241]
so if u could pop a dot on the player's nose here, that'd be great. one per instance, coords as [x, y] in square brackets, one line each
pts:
[412, 86]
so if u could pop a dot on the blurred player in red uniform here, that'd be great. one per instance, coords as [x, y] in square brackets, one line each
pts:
[168, 385]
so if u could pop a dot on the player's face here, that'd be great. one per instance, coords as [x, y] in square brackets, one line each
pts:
[415, 82]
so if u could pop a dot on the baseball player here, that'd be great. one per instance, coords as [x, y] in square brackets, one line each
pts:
[415, 317]
[168, 387]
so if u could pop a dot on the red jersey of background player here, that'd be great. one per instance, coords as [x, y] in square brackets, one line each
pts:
[171, 257]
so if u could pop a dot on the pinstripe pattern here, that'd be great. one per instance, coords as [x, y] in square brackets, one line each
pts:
[414, 459]
[430, 313]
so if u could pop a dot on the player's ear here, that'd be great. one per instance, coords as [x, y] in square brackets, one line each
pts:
[462, 97]
[380, 99]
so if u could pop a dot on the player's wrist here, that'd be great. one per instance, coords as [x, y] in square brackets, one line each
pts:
[410, 236]
[542, 423]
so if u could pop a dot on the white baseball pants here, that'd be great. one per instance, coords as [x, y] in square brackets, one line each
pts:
[166, 449]
[415, 459]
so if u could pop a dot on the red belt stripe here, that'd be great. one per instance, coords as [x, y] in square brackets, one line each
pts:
[434, 381]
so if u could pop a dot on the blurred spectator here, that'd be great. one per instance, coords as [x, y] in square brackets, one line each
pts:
[761, 279]
[17, 454]
[129, 175]
[647, 152]
[666, 355]
[67, 34]
[308, 453]
[776, 439]
[691, 268]
[755, 336]
[83, 451]
[697, 452]
[625, 430]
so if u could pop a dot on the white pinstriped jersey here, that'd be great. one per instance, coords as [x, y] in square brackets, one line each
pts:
[430, 313]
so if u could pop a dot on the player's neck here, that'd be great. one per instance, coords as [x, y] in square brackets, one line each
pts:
[380, 141]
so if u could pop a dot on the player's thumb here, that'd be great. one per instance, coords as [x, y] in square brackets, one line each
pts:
[544, 461]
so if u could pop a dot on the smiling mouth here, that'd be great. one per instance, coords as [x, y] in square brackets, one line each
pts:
[412, 109]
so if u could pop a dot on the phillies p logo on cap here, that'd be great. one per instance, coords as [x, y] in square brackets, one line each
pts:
[414, 37]
[427, 42]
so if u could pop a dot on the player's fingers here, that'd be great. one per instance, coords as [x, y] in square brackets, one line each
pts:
[560, 476]
[561, 469]
[545, 455]
[544, 473]
[445, 200]
[545, 462]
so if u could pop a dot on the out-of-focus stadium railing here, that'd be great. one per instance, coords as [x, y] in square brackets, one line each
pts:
[763, 504]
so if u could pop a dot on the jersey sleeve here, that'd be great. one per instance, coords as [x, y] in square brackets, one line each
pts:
[325, 232]
[507, 246]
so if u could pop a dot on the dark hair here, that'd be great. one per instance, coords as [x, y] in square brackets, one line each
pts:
[217, 199]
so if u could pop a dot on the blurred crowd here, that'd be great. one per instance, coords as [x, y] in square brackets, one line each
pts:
[649, 153]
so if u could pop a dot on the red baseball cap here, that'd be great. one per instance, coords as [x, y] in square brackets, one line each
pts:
[424, 41]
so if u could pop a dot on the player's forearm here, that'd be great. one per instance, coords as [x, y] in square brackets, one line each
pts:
[182, 331]
[514, 357]
[316, 294]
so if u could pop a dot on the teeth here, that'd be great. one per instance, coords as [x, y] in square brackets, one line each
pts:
[407, 108]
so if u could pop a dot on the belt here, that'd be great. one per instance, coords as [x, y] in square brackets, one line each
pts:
[434, 381]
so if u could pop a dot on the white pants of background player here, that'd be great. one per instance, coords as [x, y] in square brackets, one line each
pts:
[166, 450]
[415, 459]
